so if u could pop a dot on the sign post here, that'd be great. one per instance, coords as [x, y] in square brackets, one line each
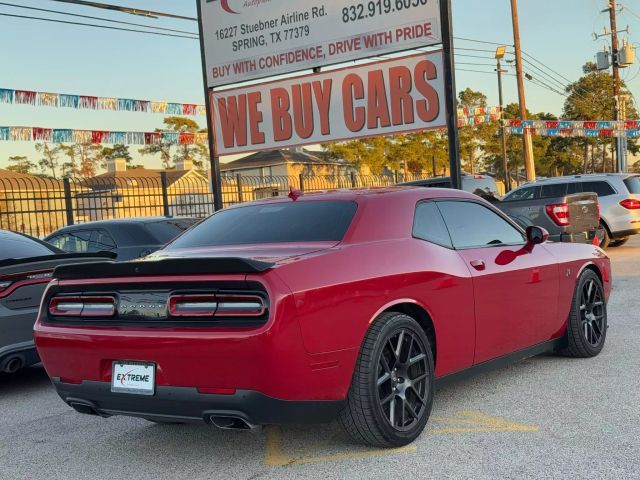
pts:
[216, 181]
[450, 94]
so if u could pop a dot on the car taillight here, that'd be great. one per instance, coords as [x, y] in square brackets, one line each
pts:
[9, 283]
[559, 213]
[630, 204]
[226, 305]
[82, 306]
[240, 305]
[192, 305]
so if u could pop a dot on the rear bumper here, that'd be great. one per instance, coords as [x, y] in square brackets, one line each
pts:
[625, 233]
[580, 237]
[186, 404]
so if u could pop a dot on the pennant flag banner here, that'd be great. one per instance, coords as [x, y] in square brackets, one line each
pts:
[65, 135]
[576, 125]
[478, 112]
[575, 132]
[63, 100]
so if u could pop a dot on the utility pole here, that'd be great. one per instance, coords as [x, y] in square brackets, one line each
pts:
[616, 82]
[500, 51]
[529, 166]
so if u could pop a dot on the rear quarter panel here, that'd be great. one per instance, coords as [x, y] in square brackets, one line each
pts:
[338, 294]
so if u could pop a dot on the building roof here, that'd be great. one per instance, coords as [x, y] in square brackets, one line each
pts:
[22, 181]
[143, 176]
[271, 158]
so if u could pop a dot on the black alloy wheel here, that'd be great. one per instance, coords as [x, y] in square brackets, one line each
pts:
[391, 392]
[592, 313]
[587, 325]
[403, 373]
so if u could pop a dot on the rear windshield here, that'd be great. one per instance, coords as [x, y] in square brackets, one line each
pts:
[311, 221]
[633, 184]
[167, 230]
[480, 186]
[14, 246]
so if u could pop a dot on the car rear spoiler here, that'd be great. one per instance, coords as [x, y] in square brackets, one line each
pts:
[10, 262]
[166, 266]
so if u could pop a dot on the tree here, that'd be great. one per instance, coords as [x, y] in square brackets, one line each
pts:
[164, 149]
[196, 152]
[21, 164]
[473, 137]
[84, 158]
[591, 98]
[49, 160]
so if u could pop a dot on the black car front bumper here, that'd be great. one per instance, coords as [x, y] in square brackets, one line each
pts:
[186, 404]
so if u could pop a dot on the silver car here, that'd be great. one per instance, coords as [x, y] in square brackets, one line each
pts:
[618, 194]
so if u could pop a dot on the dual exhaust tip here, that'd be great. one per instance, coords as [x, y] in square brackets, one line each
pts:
[232, 423]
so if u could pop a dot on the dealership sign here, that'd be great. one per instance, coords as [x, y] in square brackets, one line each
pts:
[381, 98]
[250, 39]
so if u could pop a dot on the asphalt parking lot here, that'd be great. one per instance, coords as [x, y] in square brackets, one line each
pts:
[547, 417]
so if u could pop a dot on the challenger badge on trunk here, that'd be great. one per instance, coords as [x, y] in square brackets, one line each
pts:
[147, 305]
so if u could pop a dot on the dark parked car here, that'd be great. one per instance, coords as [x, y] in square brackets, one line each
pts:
[482, 185]
[128, 238]
[26, 266]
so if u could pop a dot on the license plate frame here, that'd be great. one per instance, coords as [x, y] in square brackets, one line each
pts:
[140, 377]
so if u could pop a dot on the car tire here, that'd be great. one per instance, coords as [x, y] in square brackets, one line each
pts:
[587, 325]
[606, 240]
[618, 242]
[375, 413]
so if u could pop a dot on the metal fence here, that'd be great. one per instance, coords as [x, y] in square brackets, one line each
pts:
[39, 206]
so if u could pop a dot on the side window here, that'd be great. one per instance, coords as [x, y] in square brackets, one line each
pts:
[574, 187]
[553, 190]
[601, 188]
[428, 225]
[474, 225]
[525, 193]
[73, 242]
[101, 241]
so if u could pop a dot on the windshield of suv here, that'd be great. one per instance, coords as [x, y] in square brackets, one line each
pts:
[310, 221]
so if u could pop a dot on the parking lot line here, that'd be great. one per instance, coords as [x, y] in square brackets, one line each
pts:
[474, 421]
[462, 422]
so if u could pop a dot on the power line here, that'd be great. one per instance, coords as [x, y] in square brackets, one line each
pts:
[546, 75]
[547, 67]
[579, 90]
[482, 71]
[475, 63]
[130, 10]
[480, 41]
[94, 25]
[95, 18]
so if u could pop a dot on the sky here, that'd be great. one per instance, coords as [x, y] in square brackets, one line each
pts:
[71, 59]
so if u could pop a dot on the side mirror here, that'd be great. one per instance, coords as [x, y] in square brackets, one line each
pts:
[535, 236]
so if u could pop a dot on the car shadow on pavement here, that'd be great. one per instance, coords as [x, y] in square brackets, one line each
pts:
[32, 377]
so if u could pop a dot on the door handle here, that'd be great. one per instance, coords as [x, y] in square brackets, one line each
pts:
[477, 264]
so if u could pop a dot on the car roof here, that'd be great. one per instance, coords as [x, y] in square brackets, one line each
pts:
[576, 178]
[122, 222]
[357, 194]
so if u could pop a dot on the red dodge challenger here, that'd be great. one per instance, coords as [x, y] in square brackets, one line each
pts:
[349, 304]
